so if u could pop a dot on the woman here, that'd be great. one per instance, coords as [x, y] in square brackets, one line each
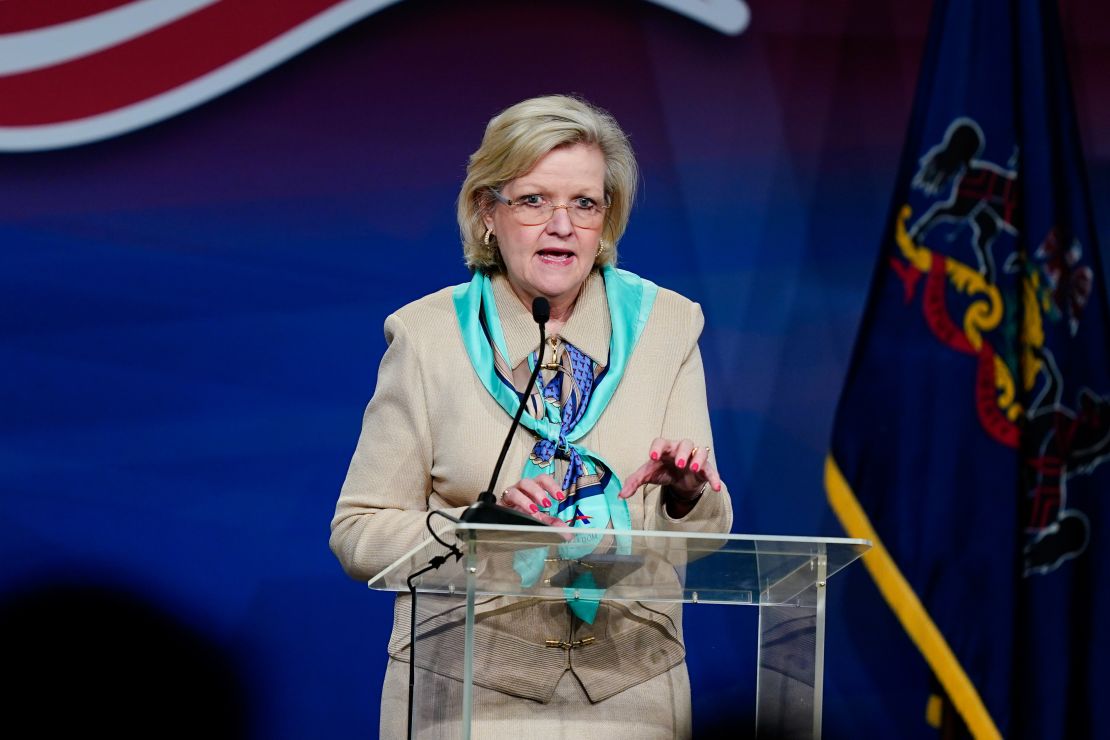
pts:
[616, 436]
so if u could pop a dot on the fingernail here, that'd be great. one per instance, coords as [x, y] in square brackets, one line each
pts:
[655, 456]
[535, 509]
[546, 502]
[717, 487]
[694, 467]
[560, 495]
[680, 463]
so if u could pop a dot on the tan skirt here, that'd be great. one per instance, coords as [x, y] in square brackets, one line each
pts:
[655, 709]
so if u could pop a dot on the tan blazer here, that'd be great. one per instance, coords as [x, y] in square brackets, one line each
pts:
[430, 437]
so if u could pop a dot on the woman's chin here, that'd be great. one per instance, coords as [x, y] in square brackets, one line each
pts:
[559, 280]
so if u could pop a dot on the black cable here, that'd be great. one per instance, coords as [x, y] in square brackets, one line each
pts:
[433, 564]
[428, 522]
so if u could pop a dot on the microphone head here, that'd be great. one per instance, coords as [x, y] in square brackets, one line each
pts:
[541, 310]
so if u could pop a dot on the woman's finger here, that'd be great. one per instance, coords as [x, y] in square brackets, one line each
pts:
[682, 453]
[548, 484]
[660, 448]
[514, 498]
[713, 478]
[637, 479]
[551, 521]
[567, 532]
[698, 459]
[539, 495]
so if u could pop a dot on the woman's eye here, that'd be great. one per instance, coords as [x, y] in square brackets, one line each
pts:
[585, 204]
[531, 200]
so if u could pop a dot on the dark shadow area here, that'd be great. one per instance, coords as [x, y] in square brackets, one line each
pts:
[741, 727]
[92, 661]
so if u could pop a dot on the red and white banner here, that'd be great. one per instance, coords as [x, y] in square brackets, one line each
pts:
[83, 70]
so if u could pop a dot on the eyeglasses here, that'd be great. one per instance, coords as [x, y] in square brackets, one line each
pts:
[533, 210]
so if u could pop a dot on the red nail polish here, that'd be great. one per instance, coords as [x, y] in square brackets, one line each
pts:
[560, 495]
[546, 502]
[655, 456]
[694, 467]
[535, 509]
[680, 463]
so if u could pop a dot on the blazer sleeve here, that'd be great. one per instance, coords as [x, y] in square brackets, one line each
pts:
[687, 417]
[384, 499]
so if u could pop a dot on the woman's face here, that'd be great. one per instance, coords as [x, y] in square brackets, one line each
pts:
[551, 259]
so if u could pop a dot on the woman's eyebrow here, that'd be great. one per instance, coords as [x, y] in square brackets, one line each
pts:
[584, 190]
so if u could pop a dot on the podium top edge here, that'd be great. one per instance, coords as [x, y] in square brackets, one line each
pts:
[743, 537]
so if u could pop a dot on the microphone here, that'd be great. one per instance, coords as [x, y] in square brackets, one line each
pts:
[541, 312]
[486, 510]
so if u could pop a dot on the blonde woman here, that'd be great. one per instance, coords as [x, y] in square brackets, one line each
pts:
[616, 436]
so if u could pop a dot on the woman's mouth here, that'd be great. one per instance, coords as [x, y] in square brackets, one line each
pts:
[556, 256]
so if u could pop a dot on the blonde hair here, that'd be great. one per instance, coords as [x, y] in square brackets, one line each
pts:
[520, 136]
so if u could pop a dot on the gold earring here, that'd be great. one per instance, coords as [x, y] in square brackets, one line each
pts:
[485, 237]
[601, 246]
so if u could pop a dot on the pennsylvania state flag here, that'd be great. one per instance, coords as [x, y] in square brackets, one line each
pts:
[972, 438]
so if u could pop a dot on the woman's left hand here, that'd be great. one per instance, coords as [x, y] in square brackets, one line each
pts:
[680, 465]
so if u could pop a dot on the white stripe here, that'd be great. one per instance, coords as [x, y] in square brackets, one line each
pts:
[28, 50]
[726, 16]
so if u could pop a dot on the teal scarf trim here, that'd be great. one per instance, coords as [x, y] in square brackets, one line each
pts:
[630, 299]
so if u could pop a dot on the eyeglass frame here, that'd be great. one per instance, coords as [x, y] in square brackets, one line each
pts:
[500, 197]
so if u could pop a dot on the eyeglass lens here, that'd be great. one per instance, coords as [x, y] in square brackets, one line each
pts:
[533, 215]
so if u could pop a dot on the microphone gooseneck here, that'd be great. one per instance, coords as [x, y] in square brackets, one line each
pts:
[486, 509]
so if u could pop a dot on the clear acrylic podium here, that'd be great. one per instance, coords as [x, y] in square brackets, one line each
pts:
[784, 577]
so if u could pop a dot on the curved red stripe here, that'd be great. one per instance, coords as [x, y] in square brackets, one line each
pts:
[993, 421]
[152, 64]
[28, 15]
[936, 312]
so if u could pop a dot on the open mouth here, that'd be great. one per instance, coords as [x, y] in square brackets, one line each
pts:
[556, 256]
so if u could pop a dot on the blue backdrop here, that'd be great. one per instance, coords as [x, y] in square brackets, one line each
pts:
[191, 318]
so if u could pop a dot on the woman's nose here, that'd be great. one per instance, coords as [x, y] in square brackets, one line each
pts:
[560, 220]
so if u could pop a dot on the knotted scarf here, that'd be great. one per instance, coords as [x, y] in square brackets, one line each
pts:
[592, 504]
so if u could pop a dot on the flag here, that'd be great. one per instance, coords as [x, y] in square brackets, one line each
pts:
[972, 437]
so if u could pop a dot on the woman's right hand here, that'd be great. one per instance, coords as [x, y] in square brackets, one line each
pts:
[531, 495]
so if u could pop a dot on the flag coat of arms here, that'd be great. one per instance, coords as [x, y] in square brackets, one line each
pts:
[972, 437]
